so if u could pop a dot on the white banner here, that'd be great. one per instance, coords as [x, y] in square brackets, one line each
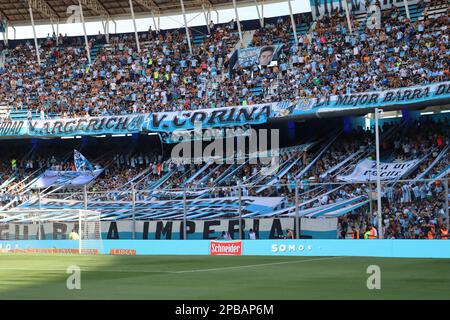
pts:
[366, 170]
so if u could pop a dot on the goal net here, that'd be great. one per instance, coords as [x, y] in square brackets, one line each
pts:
[51, 231]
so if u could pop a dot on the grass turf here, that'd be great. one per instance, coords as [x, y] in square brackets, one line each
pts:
[30, 276]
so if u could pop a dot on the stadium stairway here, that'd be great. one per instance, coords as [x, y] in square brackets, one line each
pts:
[94, 50]
[14, 115]
[415, 14]
[361, 18]
[435, 11]
[301, 29]
[257, 90]
[198, 40]
[3, 111]
[18, 115]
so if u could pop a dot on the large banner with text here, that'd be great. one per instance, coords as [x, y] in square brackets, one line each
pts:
[166, 123]
[268, 228]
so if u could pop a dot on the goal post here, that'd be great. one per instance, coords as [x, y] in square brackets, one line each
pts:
[81, 230]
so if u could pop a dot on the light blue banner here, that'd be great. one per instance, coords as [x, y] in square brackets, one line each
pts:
[209, 118]
[168, 122]
[311, 248]
[397, 98]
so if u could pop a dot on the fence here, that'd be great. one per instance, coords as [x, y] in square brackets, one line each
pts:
[410, 209]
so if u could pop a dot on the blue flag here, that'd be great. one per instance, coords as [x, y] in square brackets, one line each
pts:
[81, 163]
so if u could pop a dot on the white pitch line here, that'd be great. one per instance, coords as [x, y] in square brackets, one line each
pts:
[256, 265]
[172, 272]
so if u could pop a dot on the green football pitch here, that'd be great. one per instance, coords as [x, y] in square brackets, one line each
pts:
[31, 276]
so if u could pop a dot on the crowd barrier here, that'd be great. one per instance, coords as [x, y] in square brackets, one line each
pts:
[307, 247]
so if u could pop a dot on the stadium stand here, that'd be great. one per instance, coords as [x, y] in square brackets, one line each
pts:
[165, 76]
[406, 203]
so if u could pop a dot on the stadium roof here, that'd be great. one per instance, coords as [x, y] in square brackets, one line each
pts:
[16, 12]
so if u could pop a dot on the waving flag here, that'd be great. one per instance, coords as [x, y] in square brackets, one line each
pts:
[53, 178]
[81, 163]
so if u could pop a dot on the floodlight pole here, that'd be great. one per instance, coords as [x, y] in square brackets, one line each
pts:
[53, 27]
[5, 34]
[240, 210]
[80, 228]
[138, 46]
[115, 26]
[294, 27]
[405, 2]
[297, 213]
[57, 33]
[39, 217]
[377, 146]
[159, 23]
[86, 43]
[133, 195]
[39, 199]
[186, 26]
[85, 197]
[156, 26]
[260, 15]
[237, 21]
[347, 15]
[184, 215]
[207, 15]
[80, 234]
[446, 202]
[106, 28]
[34, 36]
[370, 201]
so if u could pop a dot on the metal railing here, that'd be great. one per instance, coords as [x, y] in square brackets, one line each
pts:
[296, 199]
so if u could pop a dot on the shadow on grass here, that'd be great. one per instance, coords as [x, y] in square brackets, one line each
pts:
[26, 276]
